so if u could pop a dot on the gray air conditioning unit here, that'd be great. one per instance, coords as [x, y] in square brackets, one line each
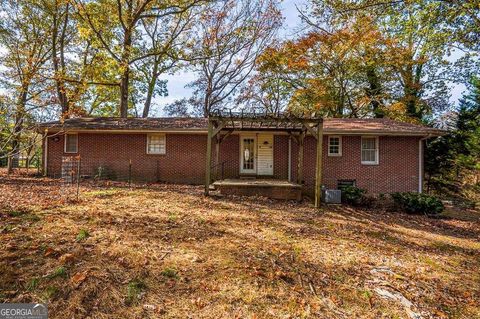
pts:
[332, 196]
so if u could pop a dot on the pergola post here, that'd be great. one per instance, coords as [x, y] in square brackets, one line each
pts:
[318, 166]
[208, 164]
[301, 139]
[217, 155]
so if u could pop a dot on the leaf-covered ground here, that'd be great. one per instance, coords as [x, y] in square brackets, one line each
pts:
[167, 251]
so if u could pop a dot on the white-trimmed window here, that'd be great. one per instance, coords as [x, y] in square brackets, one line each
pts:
[71, 143]
[334, 146]
[156, 144]
[370, 150]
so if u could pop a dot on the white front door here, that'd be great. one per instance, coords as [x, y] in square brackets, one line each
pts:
[248, 147]
[265, 154]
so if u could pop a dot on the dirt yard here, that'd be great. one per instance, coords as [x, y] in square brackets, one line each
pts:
[167, 251]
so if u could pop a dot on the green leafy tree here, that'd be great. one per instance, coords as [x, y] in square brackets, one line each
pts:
[120, 29]
[336, 71]
[26, 52]
[456, 156]
[415, 41]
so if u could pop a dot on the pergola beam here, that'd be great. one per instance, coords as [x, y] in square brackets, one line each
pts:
[311, 130]
[218, 128]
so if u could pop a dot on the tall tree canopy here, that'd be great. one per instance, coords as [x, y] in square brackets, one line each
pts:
[457, 154]
[361, 60]
[233, 35]
[137, 32]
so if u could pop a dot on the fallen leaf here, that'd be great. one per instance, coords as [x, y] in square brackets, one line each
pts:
[149, 307]
[49, 252]
[66, 258]
[78, 278]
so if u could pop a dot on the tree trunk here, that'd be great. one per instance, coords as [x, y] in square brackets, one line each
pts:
[17, 128]
[206, 107]
[28, 156]
[9, 164]
[206, 102]
[151, 89]
[125, 79]
[412, 90]
[124, 92]
[373, 91]
[59, 62]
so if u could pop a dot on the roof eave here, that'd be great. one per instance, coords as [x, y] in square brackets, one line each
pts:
[380, 133]
[56, 129]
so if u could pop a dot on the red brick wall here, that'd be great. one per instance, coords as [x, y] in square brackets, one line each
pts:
[397, 170]
[280, 157]
[229, 155]
[184, 161]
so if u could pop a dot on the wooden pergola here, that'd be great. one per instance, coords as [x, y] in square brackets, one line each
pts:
[222, 123]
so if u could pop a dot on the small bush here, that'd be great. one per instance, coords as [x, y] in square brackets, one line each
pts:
[418, 203]
[353, 195]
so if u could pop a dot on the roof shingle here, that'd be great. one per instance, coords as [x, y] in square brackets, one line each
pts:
[330, 125]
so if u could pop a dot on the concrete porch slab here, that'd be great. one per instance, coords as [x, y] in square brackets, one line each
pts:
[271, 188]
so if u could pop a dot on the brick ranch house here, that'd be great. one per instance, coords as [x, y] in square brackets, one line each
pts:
[379, 155]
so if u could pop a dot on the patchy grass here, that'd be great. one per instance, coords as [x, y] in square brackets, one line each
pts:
[82, 235]
[167, 251]
[169, 273]
[33, 284]
[135, 291]
[60, 272]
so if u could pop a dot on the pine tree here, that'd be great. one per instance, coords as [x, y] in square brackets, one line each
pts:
[455, 157]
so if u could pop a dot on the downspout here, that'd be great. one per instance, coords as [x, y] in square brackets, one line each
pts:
[289, 158]
[45, 156]
[420, 162]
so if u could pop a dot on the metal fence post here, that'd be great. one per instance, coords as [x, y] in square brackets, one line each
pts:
[130, 174]
[78, 177]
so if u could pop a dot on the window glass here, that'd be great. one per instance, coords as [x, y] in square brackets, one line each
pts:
[71, 143]
[334, 145]
[156, 144]
[369, 150]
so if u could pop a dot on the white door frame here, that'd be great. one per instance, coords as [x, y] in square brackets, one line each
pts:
[254, 170]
